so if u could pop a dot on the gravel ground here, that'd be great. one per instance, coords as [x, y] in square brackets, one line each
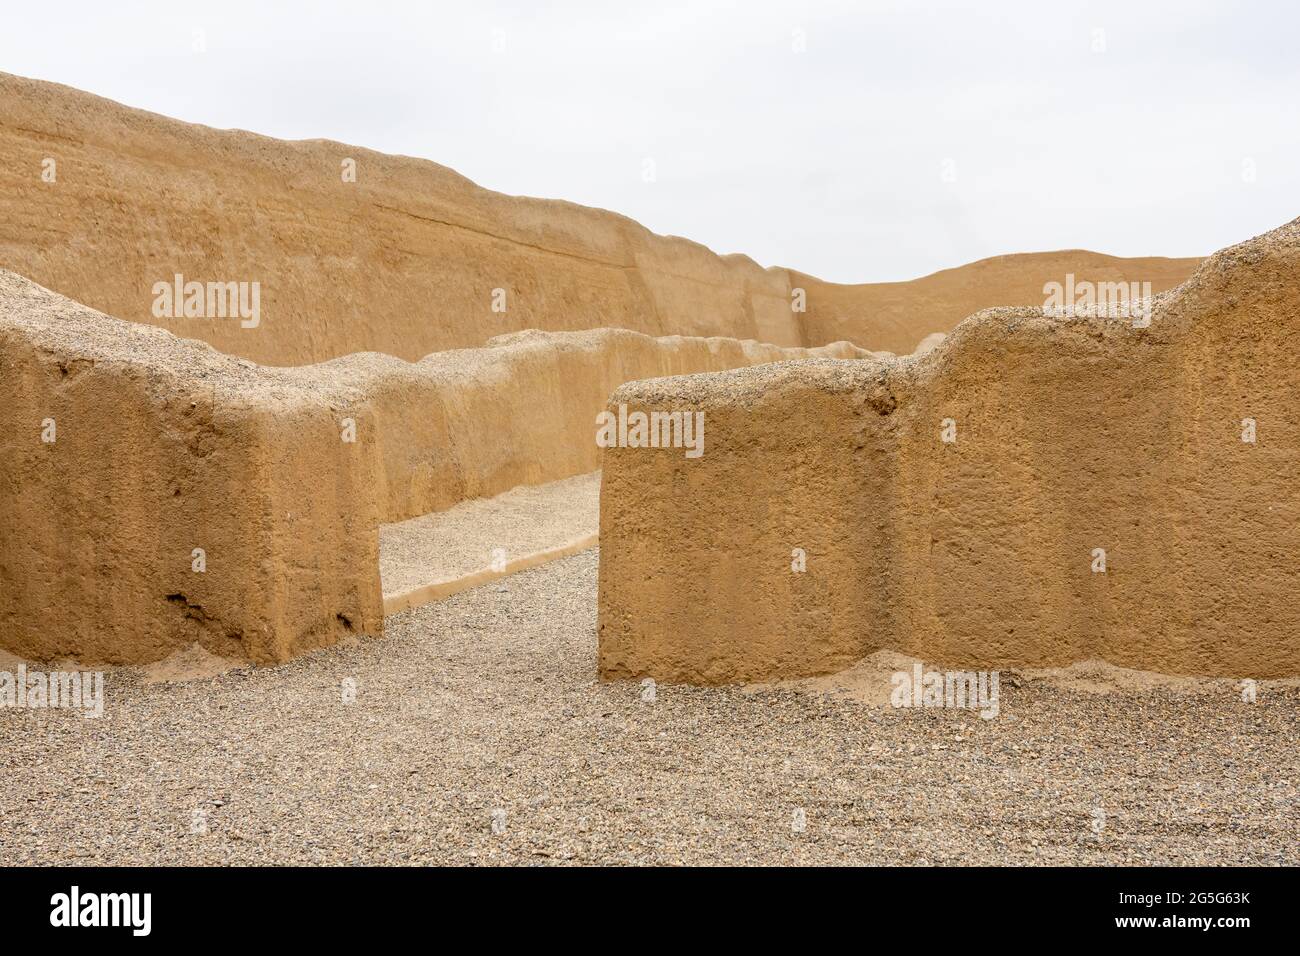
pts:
[488, 702]
[468, 537]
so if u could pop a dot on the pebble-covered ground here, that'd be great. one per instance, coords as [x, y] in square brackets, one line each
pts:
[468, 537]
[488, 705]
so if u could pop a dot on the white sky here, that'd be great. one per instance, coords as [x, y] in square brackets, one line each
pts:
[829, 160]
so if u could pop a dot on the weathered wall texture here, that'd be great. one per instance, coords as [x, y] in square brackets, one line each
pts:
[1072, 435]
[404, 260]
[470, 423]
[164, 445]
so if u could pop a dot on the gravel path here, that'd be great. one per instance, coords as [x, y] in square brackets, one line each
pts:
[447, 550]
[489, 701]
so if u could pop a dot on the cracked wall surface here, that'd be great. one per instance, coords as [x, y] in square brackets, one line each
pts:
[405, 259]
[1072, 435]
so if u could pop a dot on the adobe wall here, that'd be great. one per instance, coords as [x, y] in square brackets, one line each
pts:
[405, 259]
[893, 315]
[471, 423]
[164, 445]
[402, 261]
[1072, 434]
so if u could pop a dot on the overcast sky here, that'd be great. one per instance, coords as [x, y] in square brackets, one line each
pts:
[855, 141]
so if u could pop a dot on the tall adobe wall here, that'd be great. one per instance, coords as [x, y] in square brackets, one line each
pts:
[402, 261]
[1073, 436]
[405, 259]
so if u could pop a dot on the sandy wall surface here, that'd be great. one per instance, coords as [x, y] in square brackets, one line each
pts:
[1072, 434]
[161, 446]
[280, 475]
[405, 259]
[470, 423]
